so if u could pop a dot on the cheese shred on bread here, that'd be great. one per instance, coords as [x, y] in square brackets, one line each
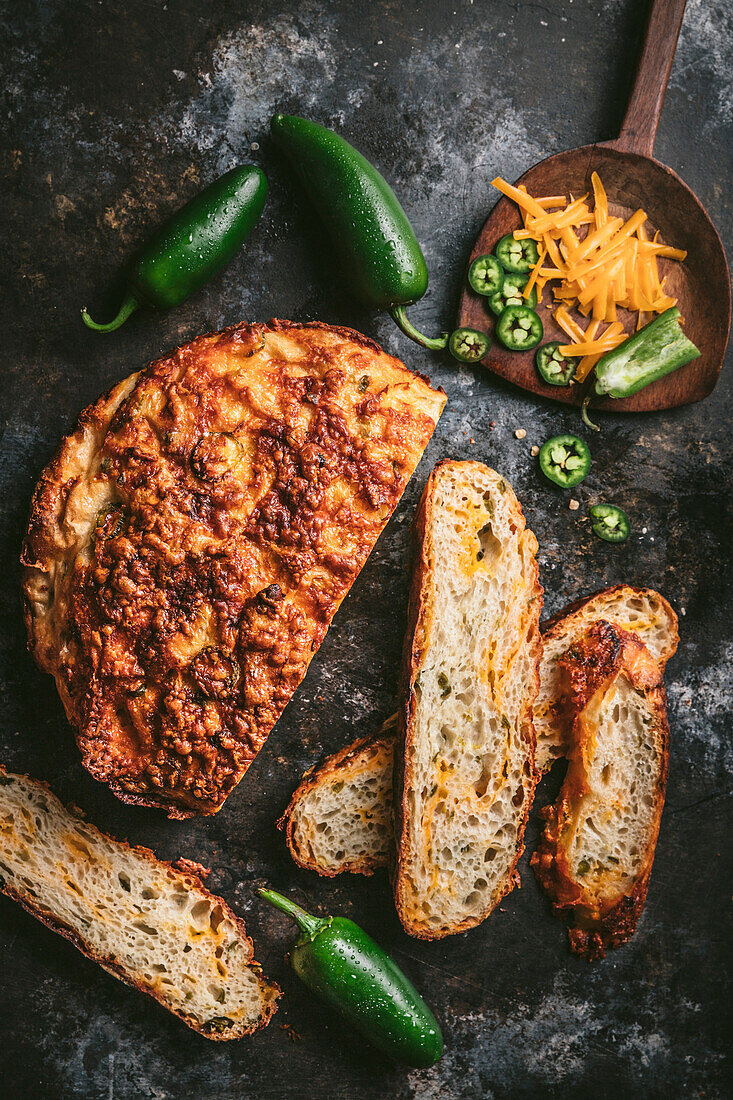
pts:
[640, 610]
[596, 853]
[151, 924]
[464, 784]
[339, 818]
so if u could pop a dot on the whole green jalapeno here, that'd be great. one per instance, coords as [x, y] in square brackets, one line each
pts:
[379, 252]
[343, 966]
[188, 249]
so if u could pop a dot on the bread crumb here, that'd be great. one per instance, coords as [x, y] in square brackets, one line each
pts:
[573, 504]
[534, 450]
[520, 433]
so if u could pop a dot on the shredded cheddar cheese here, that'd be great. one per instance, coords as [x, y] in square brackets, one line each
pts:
[598, 262]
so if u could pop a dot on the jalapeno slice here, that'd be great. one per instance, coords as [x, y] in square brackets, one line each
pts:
[519, 328]
[468, 345]
[556, 369]
[511, 295]
[486, 275]
[610, 523]
[517, 256]
[565, 459]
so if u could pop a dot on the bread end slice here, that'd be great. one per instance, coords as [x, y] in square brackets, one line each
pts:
[152, 924]
[465, 780]
[596, 852]
[641, 611]
[340, 815]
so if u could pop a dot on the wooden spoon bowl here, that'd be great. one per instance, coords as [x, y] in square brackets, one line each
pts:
[632, 179]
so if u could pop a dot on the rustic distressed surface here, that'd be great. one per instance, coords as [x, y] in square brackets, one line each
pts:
[114, 113]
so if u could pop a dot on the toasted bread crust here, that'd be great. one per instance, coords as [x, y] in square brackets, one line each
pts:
[552, 737]
[192, 539]
[589, 667]
[191, 876]
[362, 751]
[602, 595]
[419, 619]
[559, 624]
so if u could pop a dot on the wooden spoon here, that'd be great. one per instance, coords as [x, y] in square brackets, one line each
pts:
[632, 179]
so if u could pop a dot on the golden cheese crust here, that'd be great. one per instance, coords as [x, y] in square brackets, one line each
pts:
[192, 539]
[603, 912]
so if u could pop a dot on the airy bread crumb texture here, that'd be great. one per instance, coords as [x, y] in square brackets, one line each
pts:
[639, 610]
[623, 763]
[340, 816]
[469, 746]
[147, 922]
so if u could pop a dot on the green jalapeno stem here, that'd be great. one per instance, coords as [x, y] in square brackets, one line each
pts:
[584, 414]
[437, 343]
[129, 305]
[306, 921]
[344, 967]
[371, 235]
[192, 245]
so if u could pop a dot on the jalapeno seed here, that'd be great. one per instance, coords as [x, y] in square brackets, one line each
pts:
[468, 345]
[517, 256]
[610, 522]
[486, 275]
[511, 295]
[554, 367]
[565, 460]
[519, 328]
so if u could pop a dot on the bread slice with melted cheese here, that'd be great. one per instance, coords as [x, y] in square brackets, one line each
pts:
[464, 778]
[151, 924]
[639, 610]
[596, 852]
[340, 815]
[339, 818]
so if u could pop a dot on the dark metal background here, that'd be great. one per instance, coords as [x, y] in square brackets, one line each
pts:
[113, 113]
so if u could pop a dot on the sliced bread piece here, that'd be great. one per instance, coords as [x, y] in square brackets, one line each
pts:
[365, 767]
[464, 782]
[640, 610]
[596, 852]
[151, 924]
[340, 816]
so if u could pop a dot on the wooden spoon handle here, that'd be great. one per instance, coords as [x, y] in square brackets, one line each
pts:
[639, 128]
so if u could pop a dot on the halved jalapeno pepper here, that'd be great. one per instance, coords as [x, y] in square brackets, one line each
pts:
[610, 522]
[517, 256]
[556, 369]
[519, 328]
[468, 345]
[486, 275]
[511, 295]
[565, 459]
